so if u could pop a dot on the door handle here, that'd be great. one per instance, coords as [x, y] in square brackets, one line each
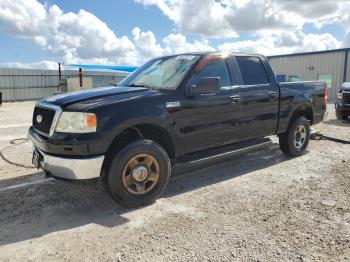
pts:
[273, 94]
[235, 99]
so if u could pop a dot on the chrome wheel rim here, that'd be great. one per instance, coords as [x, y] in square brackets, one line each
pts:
[140, 174]
[300, 135]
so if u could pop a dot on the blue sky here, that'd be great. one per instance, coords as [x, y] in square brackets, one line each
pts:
[37, 33]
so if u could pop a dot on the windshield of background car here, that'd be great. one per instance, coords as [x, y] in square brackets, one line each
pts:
[163, 73]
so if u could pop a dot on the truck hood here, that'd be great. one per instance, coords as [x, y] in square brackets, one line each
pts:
[91, 94]
[345, 86]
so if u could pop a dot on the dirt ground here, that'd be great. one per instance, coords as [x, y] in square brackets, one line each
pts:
[260, 206]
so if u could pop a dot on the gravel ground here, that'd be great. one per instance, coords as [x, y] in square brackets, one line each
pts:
[261, 206]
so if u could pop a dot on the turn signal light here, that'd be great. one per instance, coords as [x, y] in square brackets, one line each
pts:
[91, 120]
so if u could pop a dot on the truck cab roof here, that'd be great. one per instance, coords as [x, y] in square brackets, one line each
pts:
[208, 53]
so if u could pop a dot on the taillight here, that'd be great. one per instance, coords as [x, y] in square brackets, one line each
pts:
[325, 98]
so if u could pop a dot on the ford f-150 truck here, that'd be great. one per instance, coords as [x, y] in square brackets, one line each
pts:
[177, 109]
[342, 102]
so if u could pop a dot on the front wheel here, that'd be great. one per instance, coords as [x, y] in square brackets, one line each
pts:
[138, 174]
[296, 139]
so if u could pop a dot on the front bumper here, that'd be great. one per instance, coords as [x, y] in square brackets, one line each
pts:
[72, 168]
[69, 167]
[344, 109]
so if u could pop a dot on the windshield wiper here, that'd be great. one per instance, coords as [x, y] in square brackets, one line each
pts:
[140, 85]
[144, 85]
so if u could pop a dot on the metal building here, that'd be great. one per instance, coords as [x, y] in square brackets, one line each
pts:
[332, 66]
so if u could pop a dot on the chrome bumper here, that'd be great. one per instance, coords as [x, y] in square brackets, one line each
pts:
[72, 168]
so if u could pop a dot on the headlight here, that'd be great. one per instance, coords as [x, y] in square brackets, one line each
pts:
[76, 122]
[340, 96]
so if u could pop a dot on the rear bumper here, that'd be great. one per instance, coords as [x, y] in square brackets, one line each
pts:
[320, 117]
[69, 167]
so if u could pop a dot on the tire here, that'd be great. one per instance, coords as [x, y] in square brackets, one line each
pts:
[132, 178]
[296, 139]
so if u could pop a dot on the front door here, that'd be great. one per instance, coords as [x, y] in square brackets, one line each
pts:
[211, 120]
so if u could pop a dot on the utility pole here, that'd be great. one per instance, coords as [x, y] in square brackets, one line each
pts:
[59, 77]
[80, 77]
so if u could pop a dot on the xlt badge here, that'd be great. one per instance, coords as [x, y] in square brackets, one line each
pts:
[174, 104]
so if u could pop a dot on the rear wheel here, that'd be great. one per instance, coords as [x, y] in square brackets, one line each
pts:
[138, 174]
[296, 139]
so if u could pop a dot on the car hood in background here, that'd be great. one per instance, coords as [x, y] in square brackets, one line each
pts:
[345, 86]
[93, 93]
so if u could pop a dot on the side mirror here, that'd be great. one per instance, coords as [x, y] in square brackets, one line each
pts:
[205, 86]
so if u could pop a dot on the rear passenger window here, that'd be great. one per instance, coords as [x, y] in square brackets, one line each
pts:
[252, 70]
[216, 68]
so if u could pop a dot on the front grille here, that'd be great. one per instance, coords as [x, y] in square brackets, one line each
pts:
[346, 98]
[46, 115]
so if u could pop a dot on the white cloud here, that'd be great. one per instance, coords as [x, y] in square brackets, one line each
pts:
[36, 65]
[257, 15]
[147, 44]
[178, 43]
[24, 17]
[203, 17]
[343, 18]
[284, 43]
[168, 7]
[275, 25]
[226, 18]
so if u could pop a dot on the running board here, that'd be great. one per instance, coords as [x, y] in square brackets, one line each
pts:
[222, 152]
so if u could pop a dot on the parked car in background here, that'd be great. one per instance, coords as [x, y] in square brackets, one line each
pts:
[342, 102]
[177, 109]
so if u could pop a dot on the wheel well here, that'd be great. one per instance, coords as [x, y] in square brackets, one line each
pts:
[159, 135]
[302, 110]
[143, 131]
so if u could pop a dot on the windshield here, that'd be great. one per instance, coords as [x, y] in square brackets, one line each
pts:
[163, 73]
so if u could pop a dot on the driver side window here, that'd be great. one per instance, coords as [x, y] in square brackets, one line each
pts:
[216, 68]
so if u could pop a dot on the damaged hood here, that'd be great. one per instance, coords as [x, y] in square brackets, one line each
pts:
[92, 94]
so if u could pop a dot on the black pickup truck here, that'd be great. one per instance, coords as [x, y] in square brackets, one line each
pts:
[175, 109]
[342, 102]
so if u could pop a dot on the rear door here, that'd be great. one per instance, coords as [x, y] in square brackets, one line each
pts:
[211, 120]
[259, 99]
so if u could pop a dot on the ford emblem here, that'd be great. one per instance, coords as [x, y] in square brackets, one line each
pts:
[39, 118]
